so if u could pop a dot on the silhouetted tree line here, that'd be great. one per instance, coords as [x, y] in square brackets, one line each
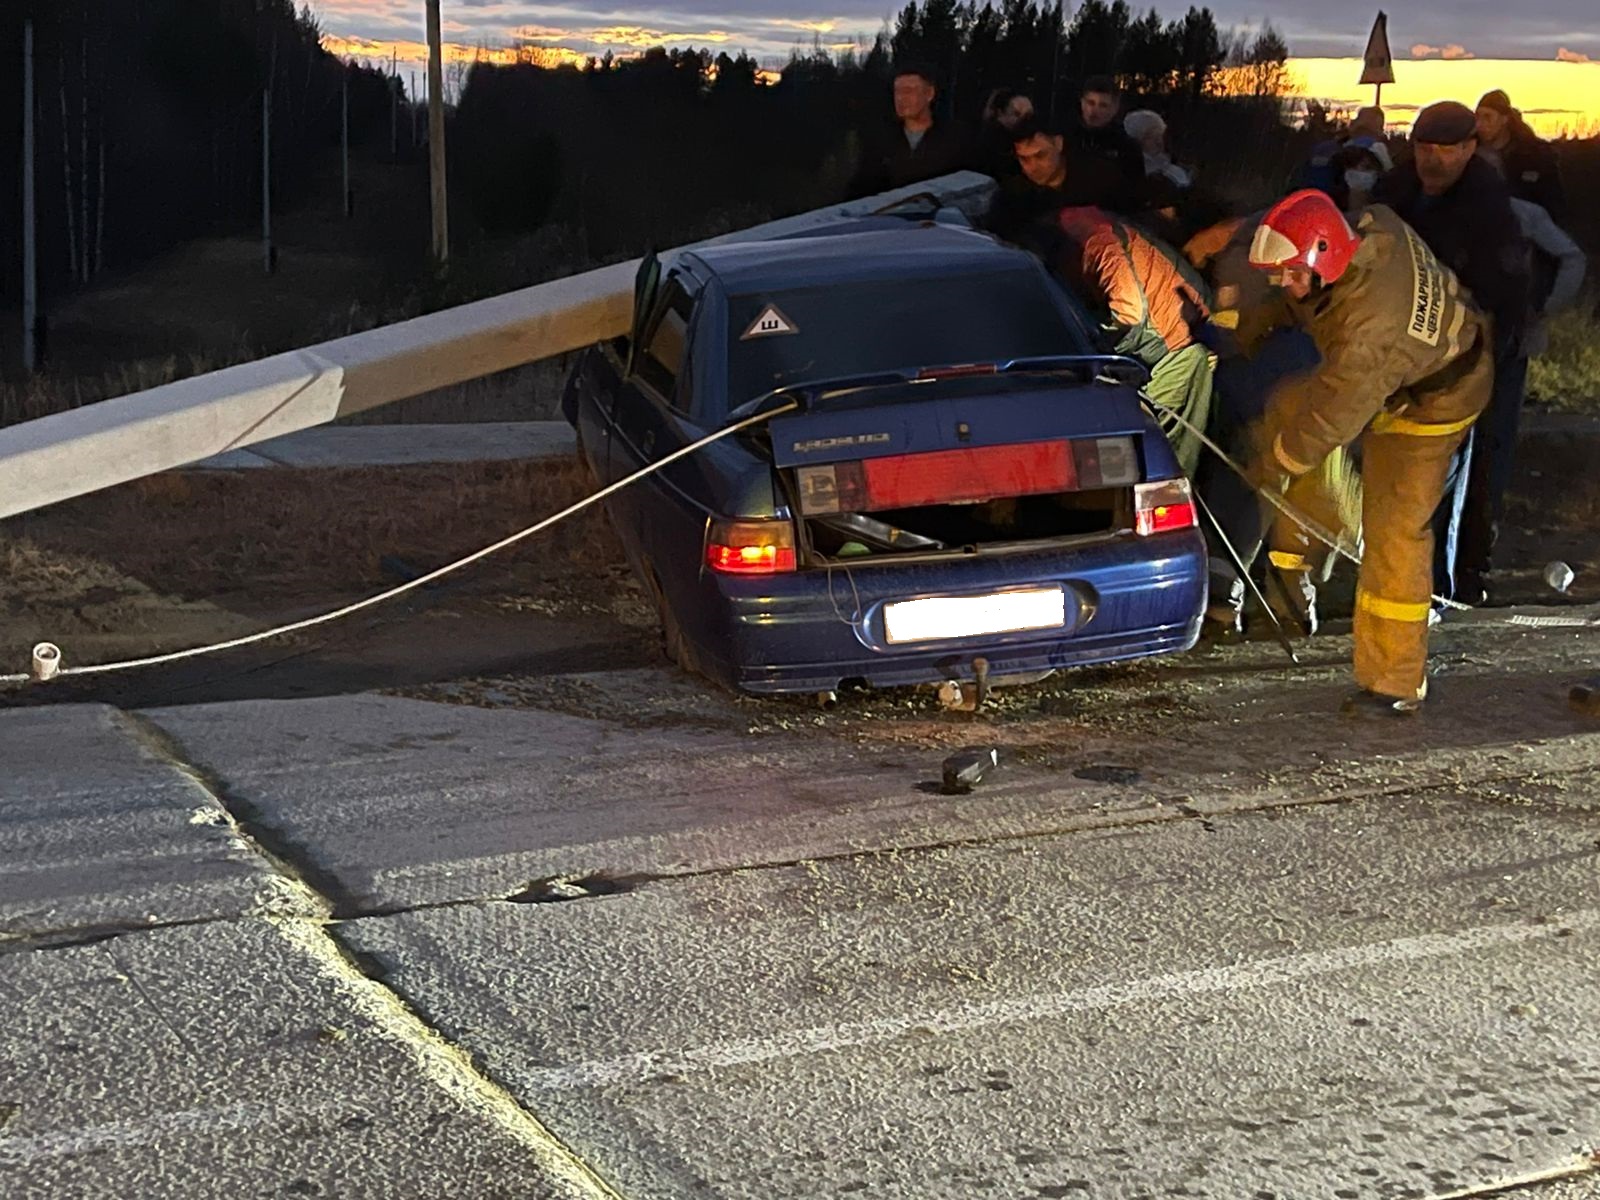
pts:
[636, 150]
[148, 118]
[148, 124]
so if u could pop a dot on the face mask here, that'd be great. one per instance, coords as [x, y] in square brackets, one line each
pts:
[1360, 181]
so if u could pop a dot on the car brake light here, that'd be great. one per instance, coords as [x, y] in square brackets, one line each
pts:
[1162, 507]
[751, 547]
[958, 371]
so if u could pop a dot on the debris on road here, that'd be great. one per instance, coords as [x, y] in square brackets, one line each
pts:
[1107, 773]
[964, 771]
[1559, 576]
[1585, 696]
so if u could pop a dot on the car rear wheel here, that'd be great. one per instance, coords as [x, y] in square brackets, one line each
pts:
[674, 648]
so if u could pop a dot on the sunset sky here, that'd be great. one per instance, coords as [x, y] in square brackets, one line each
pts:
[1442, 48]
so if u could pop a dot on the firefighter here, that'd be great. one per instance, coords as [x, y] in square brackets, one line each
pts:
[1151, 301]
[1406, 368]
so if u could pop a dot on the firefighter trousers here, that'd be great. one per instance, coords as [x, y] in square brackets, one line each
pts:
[1404, 467]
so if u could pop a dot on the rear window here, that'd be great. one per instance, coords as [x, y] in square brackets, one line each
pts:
[786, 337]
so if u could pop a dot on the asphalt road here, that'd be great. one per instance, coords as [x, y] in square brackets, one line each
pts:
[607, 935]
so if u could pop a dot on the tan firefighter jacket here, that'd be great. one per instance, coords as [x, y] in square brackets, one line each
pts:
[1398, 335]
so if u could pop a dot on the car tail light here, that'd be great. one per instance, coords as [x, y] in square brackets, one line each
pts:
[751, 547]
[1163, 507]
[1105, 462]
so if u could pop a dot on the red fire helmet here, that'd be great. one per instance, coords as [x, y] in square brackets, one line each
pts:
[1305, 230]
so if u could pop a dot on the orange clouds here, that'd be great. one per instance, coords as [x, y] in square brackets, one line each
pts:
[1450, 53]
[416, 53]
[1571, 56]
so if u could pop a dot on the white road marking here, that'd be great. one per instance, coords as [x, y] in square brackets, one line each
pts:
[1267, 972]
[19, 1151]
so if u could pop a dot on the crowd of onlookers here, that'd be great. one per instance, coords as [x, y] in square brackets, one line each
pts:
[1133, 233]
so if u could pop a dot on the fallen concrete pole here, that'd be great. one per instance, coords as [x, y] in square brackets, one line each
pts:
[84, 450]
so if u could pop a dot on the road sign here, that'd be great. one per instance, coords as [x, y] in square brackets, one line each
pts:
[1379, 65]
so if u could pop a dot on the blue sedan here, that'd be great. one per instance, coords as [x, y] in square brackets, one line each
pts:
[961, 476]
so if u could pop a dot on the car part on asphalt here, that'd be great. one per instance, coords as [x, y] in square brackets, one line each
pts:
[964, 771]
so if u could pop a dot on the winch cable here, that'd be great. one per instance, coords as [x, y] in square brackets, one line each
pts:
[1332, 541]
[422, 580]
[1336, 544]
[1278, 630]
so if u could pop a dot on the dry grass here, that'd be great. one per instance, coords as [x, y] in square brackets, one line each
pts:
[1566, 378]
[263, 532]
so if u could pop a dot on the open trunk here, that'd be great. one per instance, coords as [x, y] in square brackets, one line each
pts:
[966, 528]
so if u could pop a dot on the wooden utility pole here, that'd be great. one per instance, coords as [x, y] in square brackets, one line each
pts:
[394, 104]
[66, 173]
[266, 178]
[344, 135]
[441, 225]
[30, 254]
[83, 161]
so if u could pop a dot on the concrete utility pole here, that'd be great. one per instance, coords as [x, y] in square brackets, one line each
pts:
[344, 135]
[266, 178]
[30, 254]
[441, 224]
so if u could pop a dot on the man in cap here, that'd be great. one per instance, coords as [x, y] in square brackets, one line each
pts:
[916, 146]
[1405, 370]
[1461, 208]
[1525, 160]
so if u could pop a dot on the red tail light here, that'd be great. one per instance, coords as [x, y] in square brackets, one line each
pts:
[958, 371]
[751, 547]
[1163, 507]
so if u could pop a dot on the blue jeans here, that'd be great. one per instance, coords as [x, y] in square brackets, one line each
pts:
[1468, 519]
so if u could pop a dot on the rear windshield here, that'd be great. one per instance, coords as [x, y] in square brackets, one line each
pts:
[785, 337]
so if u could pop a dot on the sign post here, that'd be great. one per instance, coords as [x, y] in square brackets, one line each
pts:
[1379, 65]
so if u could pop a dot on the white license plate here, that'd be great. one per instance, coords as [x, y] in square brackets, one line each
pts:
[939, 617]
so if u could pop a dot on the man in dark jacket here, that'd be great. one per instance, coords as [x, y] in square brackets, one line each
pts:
[1526, 161]
[1462, 209]
[1052, 176]
[917, 146]
[1103, 149]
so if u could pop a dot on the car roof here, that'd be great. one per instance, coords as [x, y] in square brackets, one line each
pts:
[864, 250]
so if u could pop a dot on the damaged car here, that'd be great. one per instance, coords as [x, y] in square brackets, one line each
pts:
[963, 487]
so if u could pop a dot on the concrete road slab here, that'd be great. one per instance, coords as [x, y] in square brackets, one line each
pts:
[1380, 999]
[244, 1059]
[98, 829]
[396, 802]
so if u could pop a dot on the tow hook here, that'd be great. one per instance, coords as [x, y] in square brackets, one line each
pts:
[956, 696]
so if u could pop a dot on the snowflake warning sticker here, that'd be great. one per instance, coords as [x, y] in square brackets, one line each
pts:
[770, 323]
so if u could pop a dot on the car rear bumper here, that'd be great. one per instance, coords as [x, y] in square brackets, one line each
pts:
[808, 631]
